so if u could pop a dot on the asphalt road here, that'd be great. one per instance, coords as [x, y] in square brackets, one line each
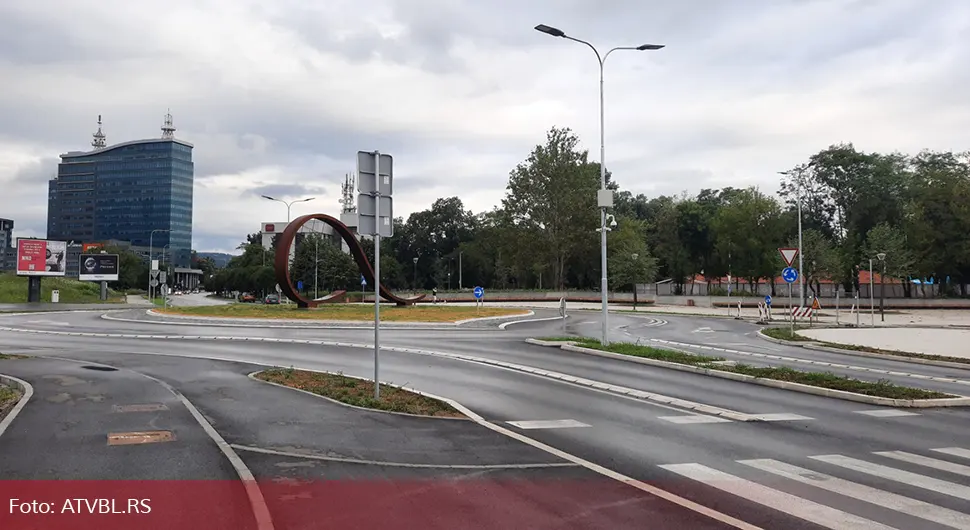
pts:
[900, 469]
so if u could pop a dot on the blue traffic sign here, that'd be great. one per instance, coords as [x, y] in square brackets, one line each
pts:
[768, 299]
[790, 274]
[362, 280]
[299, 285]
[479, 292]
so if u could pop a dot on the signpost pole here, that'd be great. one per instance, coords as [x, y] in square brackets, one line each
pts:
[377, 273]
[104, 291]
[791, 310]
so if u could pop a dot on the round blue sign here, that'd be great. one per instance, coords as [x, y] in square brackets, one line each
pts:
[790, 274]
[479, 292]
[362, 280]
[768, 299]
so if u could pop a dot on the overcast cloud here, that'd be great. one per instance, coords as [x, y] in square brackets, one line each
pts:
[278, 96]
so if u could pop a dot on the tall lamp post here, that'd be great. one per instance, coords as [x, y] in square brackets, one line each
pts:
[604, 196]
[415, 261]
[882, 287]
[288, 204]
[634, 256]
[872, 304]
[459, 269]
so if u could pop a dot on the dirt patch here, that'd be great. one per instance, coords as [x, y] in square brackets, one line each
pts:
[360, 392]
[9, 397]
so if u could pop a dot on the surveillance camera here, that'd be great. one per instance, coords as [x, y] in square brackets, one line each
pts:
[612, 222]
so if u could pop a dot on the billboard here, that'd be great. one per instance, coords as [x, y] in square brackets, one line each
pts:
[98, 267]
[87, 247]
[40, 257]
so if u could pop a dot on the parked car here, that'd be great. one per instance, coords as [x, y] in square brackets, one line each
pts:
[272, 299]
[247, 298]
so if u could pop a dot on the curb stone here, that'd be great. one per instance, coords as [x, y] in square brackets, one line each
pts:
[330, 323]
[960, 401]
[26, 390]
[812, 345]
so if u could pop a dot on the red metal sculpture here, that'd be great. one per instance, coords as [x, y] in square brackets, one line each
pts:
[282, 263]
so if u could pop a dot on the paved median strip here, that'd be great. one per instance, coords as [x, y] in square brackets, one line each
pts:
[823, 384]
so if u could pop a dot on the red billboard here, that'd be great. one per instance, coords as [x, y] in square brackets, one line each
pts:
[40, 257]
[87, 247]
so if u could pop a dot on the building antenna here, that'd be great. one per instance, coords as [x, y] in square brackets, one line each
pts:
[98, 142]
[168, 130]
[347, 195]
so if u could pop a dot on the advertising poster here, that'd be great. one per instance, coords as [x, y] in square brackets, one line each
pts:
[98, 267]
[40, 257]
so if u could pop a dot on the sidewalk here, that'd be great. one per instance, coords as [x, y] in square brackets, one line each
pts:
[949, 342]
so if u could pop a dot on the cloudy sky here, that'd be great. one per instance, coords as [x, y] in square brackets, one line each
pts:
[278, 96]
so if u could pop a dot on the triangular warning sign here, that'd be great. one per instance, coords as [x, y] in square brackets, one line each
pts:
[816, 305]
[788, 254]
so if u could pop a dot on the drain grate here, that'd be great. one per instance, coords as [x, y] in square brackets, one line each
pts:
[100, 368]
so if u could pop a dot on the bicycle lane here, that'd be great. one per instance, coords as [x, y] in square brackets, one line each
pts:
[108, 448]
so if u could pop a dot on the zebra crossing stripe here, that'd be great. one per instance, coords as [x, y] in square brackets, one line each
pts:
[920, 460]
[913, 479]
[790, 504]
[885, 499]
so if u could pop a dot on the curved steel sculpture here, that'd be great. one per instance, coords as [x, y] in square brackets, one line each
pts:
[282, 263]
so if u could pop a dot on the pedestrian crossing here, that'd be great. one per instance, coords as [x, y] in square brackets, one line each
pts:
[831, 490]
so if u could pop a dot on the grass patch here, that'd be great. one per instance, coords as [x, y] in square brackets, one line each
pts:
[4, 356]
[13, 290]
[359, 392]
[881, 388]
[784, 333]
[349, 312]
[8, 397]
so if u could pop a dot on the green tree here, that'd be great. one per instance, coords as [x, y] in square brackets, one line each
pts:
[630, 260]
[899, 258]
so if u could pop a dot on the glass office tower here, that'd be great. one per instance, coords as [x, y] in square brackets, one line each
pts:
[125, 192]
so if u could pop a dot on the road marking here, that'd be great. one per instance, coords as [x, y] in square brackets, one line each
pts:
[784, 502]
[954, 451]
[913, 479]
[886, 413]
[507, 324]
[150, 407]
[780, 416]
[693, 418]
[547, 424]
[703, 330]
[817, 363]
[942, 465]
[140, 437]
[49, 323]
[885, 499]
[399, 464]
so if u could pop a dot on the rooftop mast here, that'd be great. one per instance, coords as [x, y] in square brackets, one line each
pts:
[168, 130]
[98, 142]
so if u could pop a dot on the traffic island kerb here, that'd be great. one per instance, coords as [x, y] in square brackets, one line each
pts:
[346, 313]
[358, 392]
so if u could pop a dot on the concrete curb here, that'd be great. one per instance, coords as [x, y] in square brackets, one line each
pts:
[812, 345]
[314, 324]
[961, 401]
[25, 389]
[341, 403]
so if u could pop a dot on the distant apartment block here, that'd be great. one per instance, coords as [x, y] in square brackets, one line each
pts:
[8, 252]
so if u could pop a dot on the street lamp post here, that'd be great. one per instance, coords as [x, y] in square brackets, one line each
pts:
[605, 197]
[459, 270]
[882, 287]
[415, 261]
[635, 256]
[872, 304]
[288, 204]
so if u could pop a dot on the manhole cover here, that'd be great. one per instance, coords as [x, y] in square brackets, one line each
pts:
[140, 437]
[100, 368]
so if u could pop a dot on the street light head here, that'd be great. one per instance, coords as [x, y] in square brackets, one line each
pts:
[308, 199]
[881, 256]
[268, 197]
[549, 30]
[645, 47]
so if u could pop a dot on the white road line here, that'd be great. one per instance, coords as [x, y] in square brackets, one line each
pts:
[784, 502]
[885, 499]
[954, 451]
[780, 416]
[507, 324]
[547, 424]
[886, 413]
[817, 363]
[913, 479]
[942, 465]
[693, 418]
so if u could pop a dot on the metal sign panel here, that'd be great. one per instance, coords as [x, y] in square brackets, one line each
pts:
[367, 180]
[367, 226]
[98, 267]
[367, 205]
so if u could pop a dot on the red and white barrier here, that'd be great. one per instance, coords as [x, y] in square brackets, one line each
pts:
[802, 312]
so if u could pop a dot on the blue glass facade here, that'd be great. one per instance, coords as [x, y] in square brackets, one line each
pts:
[124, 192]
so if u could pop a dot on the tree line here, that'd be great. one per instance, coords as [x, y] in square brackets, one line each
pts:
[544, 235]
